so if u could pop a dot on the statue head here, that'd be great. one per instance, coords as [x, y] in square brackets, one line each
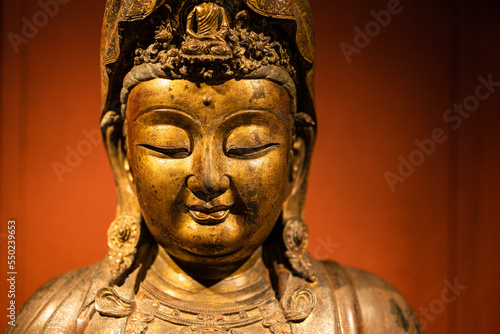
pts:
[210, 162]
[212, 141]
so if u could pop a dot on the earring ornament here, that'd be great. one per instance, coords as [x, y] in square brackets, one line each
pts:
[296, 239]
[123, 237]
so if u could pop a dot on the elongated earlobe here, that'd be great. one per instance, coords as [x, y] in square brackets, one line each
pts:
[298, 161]
[126, 167]
[125, 231]
[295, 232]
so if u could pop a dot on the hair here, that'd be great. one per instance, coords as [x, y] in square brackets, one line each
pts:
[150, 71]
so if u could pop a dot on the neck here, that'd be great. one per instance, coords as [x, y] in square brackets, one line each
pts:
[250, 281]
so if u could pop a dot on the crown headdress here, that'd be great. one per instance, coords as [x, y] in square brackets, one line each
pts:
[208, 43]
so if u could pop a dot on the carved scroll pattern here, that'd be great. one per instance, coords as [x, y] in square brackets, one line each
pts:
[280, 8]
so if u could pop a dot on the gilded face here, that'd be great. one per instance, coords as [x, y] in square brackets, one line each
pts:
[211, 164]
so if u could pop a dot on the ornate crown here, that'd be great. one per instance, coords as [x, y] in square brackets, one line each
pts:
[205, 44]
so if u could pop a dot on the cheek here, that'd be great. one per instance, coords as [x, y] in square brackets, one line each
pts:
[158, 183]
[262, 184]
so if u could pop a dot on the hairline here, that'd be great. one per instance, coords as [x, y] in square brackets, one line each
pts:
[148, 71]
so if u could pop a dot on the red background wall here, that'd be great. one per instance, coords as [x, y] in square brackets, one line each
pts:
[440, 224]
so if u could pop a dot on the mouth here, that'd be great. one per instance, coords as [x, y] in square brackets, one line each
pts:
[209, 215]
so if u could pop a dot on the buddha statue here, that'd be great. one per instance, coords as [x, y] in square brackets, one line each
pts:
[210, 153]
[212, 25]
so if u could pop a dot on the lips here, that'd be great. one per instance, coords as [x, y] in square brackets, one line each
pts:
[209, 215]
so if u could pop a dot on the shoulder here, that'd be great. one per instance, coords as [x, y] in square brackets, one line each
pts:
[380, 307]
[55, 306]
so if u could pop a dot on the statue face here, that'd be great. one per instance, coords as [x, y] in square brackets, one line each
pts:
[211, 164]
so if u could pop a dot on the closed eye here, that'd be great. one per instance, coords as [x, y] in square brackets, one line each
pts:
[170, 152]
[250, 152]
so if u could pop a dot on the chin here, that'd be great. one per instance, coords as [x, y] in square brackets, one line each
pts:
[228, 242]
[203, 265]
[219, 254]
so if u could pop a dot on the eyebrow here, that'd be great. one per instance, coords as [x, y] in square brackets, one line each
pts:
[153, 108]
[255, 111]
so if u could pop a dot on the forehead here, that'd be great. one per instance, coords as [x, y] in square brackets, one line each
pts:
[203, 101]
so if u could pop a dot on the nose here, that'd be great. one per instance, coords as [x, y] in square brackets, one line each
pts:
[208, 180]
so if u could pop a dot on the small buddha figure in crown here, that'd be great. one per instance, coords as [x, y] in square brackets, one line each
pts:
[206, 29]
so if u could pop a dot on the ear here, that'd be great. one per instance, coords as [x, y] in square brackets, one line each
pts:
[298, 153]
[295, 234]
[126, 198]
[124, 234]
[303, 144]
